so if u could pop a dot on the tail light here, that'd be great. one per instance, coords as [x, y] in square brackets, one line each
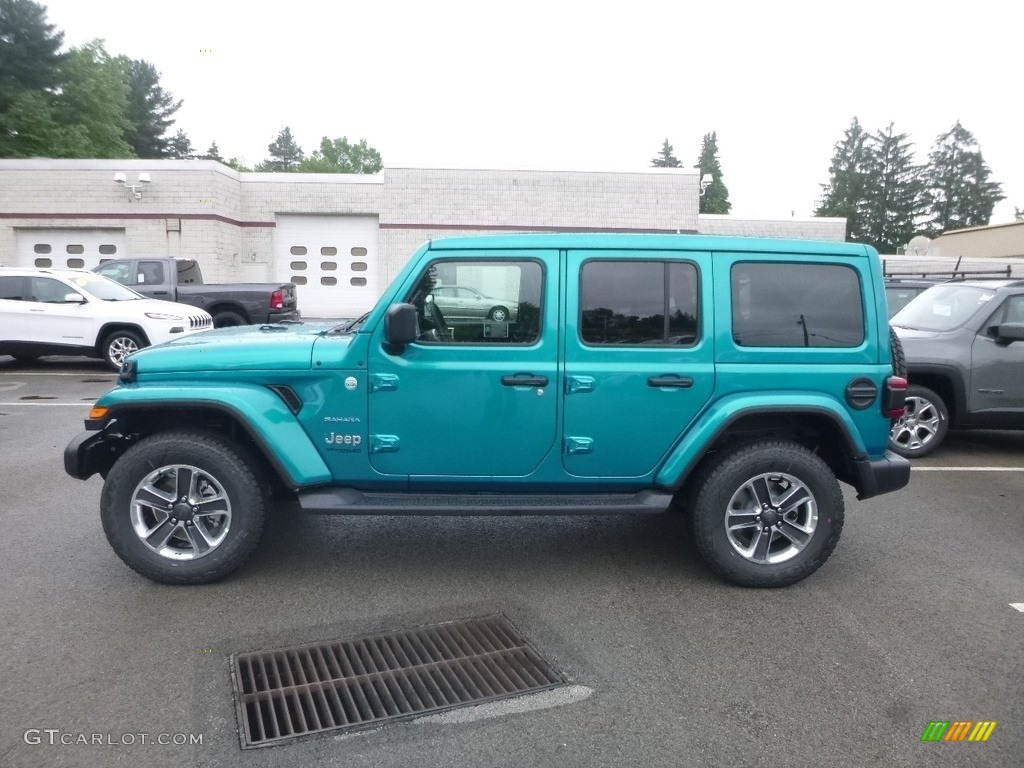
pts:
[277, 300]
[895, 397]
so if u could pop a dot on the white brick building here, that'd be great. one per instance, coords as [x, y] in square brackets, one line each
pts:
[340, 237]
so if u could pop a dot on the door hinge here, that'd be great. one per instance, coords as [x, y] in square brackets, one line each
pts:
[577, 384]
[383, 382]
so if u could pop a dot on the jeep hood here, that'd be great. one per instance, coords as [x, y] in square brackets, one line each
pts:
[278, 347]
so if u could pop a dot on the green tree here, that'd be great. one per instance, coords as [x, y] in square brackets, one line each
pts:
[179, 146]
[341, 156]
[235, 163]
[846, 191]
[92, 105]
[716, 197]
[285, 153]
[150, 109]
[666, 158]
[213, 153]
[30, 55]
[958, 193]
[894, 195]
[1018, 213]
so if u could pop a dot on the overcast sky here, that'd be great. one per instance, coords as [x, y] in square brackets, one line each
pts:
[584, 85]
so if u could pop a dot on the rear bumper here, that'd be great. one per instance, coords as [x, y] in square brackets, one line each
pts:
[287, 314]
[873, 478]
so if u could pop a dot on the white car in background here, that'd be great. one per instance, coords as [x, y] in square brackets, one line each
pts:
[75, 312]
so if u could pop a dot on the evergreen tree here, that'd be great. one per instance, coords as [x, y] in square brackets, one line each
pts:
[235, 163]
[959, 192]
[342, 156]
[894, 195]
[845, 193]
[716, 198]
[666, 158]
[285, 153]
[213, 153]
[150, 109]
[180, 146]
[29, 51]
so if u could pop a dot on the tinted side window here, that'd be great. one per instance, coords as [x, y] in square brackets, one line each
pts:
[151, 273]
[48, 290]
[639, 302]
[796, 305]
[12, 288]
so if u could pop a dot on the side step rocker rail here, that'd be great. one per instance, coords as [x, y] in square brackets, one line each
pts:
[349, 501]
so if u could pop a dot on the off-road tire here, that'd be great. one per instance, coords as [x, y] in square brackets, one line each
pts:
[242, 484]
[899, 359]
[725, 474]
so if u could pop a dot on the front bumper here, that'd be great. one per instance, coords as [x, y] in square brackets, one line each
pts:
[90, 452]
[873, 478]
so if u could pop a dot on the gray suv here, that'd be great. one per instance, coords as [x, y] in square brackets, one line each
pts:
[964, 348]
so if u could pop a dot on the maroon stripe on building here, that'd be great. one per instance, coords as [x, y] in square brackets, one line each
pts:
[136, 216]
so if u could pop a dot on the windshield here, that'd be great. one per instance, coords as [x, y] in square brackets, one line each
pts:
[943, 308]
[104, 289]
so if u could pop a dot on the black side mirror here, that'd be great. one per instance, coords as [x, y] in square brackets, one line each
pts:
[400, 327]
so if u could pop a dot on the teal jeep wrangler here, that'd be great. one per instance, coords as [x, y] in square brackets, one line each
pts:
[734, 380]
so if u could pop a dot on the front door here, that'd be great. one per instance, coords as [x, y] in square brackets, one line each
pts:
[639, 362]
[471, 397]
[997, 370]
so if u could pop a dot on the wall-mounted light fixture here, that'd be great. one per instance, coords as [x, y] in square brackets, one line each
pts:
[136, 188]
[705, 182]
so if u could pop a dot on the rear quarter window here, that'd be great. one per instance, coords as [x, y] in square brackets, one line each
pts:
[786, 304]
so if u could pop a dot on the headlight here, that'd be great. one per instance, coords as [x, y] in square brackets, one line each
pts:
[159, 316]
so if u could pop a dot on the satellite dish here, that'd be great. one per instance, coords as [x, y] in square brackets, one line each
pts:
[918, 246]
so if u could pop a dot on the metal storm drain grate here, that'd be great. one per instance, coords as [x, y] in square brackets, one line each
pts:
[370, 680]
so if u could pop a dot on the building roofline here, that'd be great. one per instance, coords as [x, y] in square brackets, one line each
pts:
[980, 229]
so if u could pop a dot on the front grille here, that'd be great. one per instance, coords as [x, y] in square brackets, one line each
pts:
[367, 681]
[200, 321]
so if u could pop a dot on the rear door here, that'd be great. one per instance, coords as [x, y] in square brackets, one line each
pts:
[639, 358]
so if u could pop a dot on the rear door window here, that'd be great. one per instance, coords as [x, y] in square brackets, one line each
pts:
[788, 304]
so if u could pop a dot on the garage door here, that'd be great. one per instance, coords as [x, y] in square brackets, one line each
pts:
[75, 248]
[333, 261]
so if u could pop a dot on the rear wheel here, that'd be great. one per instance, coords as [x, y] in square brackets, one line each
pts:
[923, 425]
[118, 345]
[228, 320]
[766, 514]
[184, 507]
[499, 315]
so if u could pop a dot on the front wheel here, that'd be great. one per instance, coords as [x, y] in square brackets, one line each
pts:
[183, 507]
[923, 425]
[118, 345]
[767, 514]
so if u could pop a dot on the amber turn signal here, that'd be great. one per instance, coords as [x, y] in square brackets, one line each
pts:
[98, 412]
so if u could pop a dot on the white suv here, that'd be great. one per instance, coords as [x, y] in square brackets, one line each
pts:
[75, 312]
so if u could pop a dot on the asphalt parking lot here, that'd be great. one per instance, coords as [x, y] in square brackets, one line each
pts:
[909, 622]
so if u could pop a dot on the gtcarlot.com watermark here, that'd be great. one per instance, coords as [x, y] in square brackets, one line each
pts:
[56, 737]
